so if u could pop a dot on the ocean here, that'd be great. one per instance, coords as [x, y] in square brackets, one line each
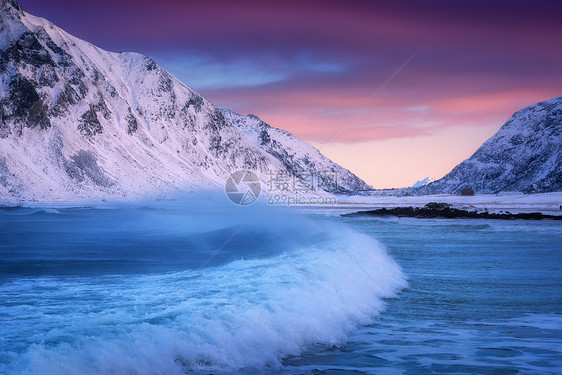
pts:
[202, 286]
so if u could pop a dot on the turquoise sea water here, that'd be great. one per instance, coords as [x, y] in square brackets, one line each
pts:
[484, 297]
[183, 287]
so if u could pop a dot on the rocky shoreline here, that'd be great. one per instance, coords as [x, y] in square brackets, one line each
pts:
[436, 210]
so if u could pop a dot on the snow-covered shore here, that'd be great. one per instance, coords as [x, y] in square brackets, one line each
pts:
[546, 203]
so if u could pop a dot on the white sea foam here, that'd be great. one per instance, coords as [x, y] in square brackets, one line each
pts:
[248, 313]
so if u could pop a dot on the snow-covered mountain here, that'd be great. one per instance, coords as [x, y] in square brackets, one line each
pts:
[423, 182]
[78, 122]
[525, 155]
[294, 154]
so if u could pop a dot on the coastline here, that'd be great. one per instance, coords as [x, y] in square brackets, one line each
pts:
[515, 203]
[434, 210]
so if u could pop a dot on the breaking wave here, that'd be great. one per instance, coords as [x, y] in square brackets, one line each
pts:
[286, 283]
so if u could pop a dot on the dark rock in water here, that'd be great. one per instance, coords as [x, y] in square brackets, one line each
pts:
[434, 210]
[467, 191]
[437, 206]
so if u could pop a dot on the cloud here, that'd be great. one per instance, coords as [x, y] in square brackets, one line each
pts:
[205, 72]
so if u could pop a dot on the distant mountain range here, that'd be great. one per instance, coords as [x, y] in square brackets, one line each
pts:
[525, 155]
[80, 123]
[423, 182]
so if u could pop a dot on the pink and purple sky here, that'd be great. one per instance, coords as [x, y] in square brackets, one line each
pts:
[312, 66]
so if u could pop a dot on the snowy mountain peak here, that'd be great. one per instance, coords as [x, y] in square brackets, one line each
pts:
[294, 154]
[423, 182]
[525, 155]
[11, 7]
[78, 122]
[11, 26]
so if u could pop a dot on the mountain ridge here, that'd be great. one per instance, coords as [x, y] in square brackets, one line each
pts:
[525, 155]
[294, 154]
[78, 122]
